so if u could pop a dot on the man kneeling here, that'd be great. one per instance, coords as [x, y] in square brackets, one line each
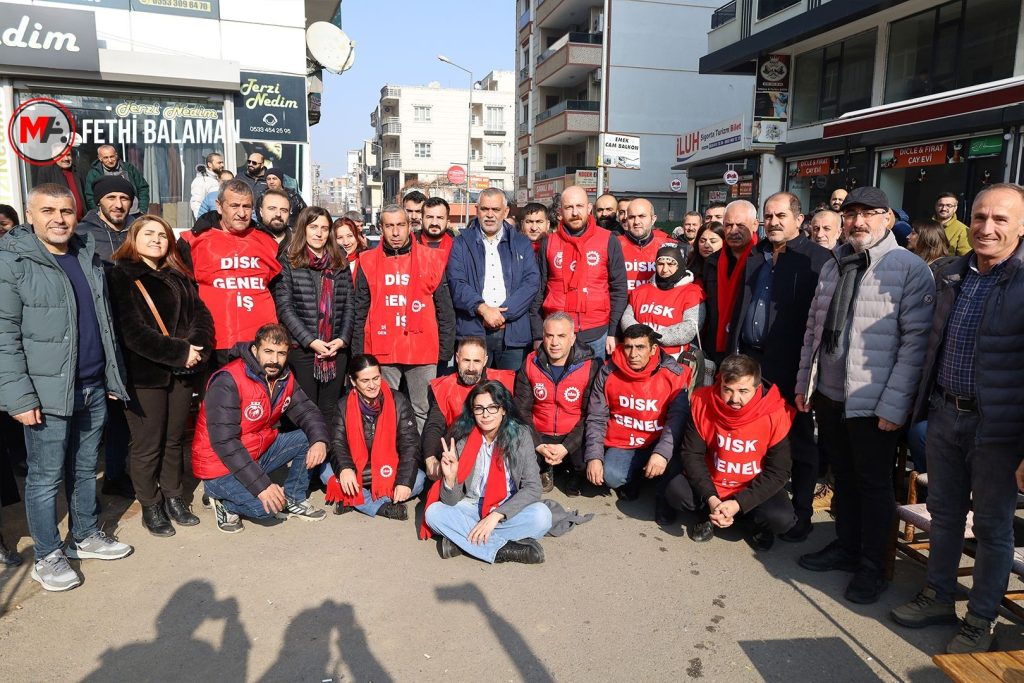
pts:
[236, 446]
[377, 427]
[735, 453]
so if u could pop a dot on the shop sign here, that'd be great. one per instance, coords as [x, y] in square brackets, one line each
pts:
[48, 38]
[731, 177]
[771, 100]
[988, 146]
[620, 151]
[546, 189]
[717, 196]
[479, 182]
[745, 188]
[676, 185]
[202, 9]
[150, 123]
[814, 167]
[587, 179]
[920, 155]
[271, 107]
[712, 141]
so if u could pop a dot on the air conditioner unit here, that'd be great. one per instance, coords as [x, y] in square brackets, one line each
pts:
[598, 24]
[596, 76]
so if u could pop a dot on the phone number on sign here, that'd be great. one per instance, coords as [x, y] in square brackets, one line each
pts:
[269, 129]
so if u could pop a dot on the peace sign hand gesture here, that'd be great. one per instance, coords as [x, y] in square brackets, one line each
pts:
[449, 462]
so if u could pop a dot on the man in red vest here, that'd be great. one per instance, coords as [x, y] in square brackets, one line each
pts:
[234, 264]
[552, 392]
[636, 414]
[448, 394]
[236, 445]
[582, 273]
[735, 452]
[723, 274]
[403, 312]
[641, 242]
[435, 233]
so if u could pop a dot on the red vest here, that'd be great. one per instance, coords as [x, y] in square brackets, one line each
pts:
[445, 247]
[401, 325]
[662, 308]
[451, 395]
[234, 273]
[638, 406]
[640, 260]
[257, 418]
[737, 441]
[594, 309]
[557, 408]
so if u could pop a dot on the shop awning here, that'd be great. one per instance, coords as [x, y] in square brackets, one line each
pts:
[994, 95]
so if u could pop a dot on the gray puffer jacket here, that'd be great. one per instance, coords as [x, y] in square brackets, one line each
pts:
[38, 325]
[892, 313]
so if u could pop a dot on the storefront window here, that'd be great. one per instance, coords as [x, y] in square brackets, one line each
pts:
[814, 180]
[163, 138]
[284, 155]
[955, 45]
[720, 192]
[913, 177]
[834, 80]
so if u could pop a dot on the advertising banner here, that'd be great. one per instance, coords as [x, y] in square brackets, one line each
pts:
[271, 107]
[771, 100]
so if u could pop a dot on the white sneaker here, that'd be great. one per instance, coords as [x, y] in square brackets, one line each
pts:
[99, 546]
[54, 573]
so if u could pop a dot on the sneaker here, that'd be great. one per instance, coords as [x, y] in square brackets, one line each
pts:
[8, 557]
[702, 532]
[227, 521]
[866, 586]
[394, 511]
[98, 546]
[547, 480]
[975, 636]
[833, 556]
[206, 502]
[823, 496]
[523, 551]
[924, 610]
[304, 510]
[448, 549]
[54, 573]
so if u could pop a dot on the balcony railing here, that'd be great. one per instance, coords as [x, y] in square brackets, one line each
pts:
[524, 19]
[561, 171]
[524, 73]
[524, 128]
[392, 162]
[569, 105]
[390, 92]
[494, 131]
[571, 37]
[723, 15]
[494, 166]
[391, 126]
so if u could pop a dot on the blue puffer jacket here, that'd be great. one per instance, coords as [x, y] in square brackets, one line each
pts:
[466, 283]
[998, 359]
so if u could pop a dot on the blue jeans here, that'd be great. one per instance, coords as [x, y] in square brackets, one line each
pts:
[454, 522]
[371, 506]
[915, 443]
[957, 468]
[501, 357]
[598, 346]
[68, 448]
[288, 447]
[621, 464]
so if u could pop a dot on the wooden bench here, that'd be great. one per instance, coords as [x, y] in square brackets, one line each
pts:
[983, 667]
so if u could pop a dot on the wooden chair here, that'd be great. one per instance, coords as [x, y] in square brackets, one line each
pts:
[917, 522]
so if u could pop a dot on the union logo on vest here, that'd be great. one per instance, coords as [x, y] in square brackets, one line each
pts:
[254, 411]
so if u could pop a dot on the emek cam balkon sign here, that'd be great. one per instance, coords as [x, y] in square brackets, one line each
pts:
[48, 38]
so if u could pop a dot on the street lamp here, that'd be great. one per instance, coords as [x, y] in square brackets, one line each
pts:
[469, 127]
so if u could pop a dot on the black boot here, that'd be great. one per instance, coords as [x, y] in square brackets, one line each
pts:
[524, 551]
[447, 549]
[155, 520]
[394, 511]
[179, 512]
[8, 557]
[341, 508]
[664, 514]
[577, 480]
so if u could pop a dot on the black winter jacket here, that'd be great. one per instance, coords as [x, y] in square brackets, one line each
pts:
[149, 355]
[406, 436]
[107, 241]
[297, 296]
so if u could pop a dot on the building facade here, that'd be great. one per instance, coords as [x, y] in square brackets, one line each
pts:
[918, 97]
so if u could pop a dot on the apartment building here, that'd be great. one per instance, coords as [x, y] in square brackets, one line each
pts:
[422, 131]
[918, 97]
[626, 67]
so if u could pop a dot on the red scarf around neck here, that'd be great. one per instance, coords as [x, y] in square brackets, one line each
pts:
[495, 489]
[728, 288]
[575, 297]
[384, 456]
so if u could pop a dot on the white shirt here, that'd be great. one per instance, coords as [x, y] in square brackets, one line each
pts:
[477, 479]
[494, 293]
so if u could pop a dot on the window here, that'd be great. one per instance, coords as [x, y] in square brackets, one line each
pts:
[766, 8]
[952, 46]
[421, 150]
[495, 154]
[498, 183]
[494, 118]
[421, 114]
[834, 80]
[523, 165]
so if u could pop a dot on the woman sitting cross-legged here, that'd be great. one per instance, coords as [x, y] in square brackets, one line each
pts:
[375, 448]
[487, 502]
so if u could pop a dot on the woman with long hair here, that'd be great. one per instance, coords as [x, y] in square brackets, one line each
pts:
[351, 240]
[166, 332]
[710, 238]
[928, 240]
[487, 502]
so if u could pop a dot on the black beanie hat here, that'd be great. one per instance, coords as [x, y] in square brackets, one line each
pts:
[275, 172]
[112, 183]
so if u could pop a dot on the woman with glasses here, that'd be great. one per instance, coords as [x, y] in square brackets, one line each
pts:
[375, 447]
[487, 502]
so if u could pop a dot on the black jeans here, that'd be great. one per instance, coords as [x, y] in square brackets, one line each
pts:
[806, 465]
[501, 357]
[324, 394]
[862, 457]
[158, 419]
[775, 514]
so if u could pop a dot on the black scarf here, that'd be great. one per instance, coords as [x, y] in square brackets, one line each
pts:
[842, 299]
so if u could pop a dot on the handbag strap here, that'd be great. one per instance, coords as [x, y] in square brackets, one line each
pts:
[152, 308]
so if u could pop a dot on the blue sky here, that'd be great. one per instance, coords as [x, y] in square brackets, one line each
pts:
[397, 43]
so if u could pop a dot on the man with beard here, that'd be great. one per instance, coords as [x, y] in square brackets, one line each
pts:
[109, 163]
[413, 203]
[435, 233]
[237, 446]
[606, 213]
[275, 181]
[835, 202]
[253, 173]
[273, 216]
[108, 223]
[640, 243]
[687, 232]
[207, 180]
[826, 227]
[723, 274]
[535, 224]
[448, 395]
[622, 208]
[956, 232]
[715, 213]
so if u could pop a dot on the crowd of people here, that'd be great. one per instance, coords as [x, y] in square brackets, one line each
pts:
[729, 365]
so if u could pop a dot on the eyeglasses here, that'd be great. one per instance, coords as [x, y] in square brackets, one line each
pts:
[252, 163]
[946, 206]
[854, 215]
[489, 410]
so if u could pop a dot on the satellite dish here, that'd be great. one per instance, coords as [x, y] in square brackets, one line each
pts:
[330, 47]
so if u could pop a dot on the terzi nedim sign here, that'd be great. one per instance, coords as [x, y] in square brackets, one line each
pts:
[271, 107]
[50, 38]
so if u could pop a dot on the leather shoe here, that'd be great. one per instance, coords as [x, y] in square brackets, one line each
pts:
[523, 551]
[394, 511]
[155, 520]
[664, 514]
[702, 532]
[631, 489]
[577, 480]
[179, 512]
[447, 549]
[761, 539]
[831, 557]
[865, 587]
[341, 508]
[799, 533]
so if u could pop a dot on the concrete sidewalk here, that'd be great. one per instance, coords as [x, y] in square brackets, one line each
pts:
[358, 599]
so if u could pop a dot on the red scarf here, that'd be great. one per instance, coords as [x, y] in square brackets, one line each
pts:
[575, 297]
[69, 178]
[728, 288]
[495, 489]
[324, 369]
[384, 458]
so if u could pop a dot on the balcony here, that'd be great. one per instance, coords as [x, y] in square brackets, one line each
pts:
[488, 130]
[567, 123]
[494, 166]
[373, 118]
[391, 126]
[392, 162]
[723, 15]
[524, 25]
[564, 13]
[390, 92]
[567, 63]
[523, 140]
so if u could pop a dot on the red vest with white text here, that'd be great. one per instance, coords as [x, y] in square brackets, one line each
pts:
[557, 408]
[664, 307]
[638, 406]
[257, 419]
[640, 260]
[597, 305]
[451, 394]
